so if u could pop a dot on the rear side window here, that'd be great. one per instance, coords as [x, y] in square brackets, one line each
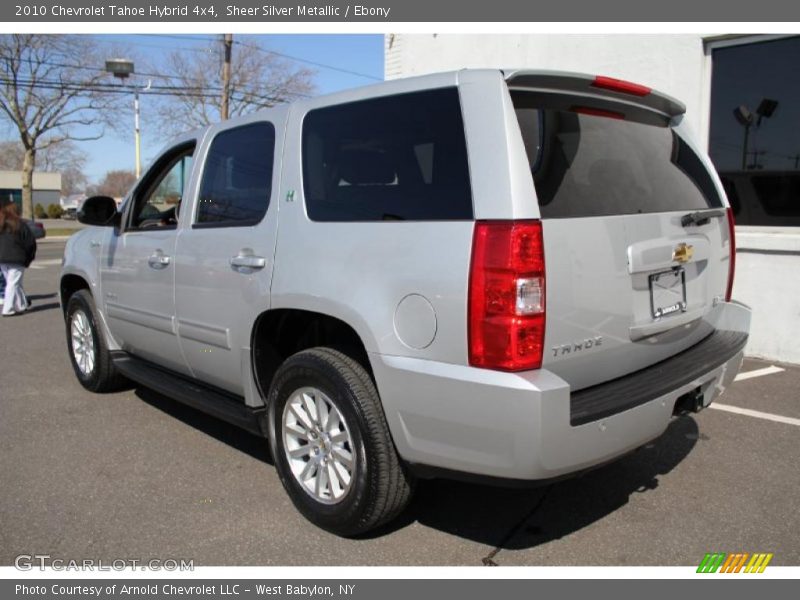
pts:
[397, 158]
[237, 178]
[587, 165]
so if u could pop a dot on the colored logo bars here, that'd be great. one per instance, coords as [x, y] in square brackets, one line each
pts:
[734, 563]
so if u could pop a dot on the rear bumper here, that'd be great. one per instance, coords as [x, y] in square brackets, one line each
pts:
[522, 426]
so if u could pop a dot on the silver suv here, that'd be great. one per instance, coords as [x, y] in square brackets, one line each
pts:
[509, 276]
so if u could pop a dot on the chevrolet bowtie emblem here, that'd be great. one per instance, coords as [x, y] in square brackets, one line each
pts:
[683, 253]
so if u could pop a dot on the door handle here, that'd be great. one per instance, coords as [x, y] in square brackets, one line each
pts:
[248, 262]
[158, 260]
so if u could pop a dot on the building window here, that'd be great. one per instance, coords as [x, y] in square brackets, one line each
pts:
[755, 129]
[14, 196]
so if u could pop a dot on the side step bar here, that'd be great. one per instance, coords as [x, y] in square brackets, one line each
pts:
[212, 401]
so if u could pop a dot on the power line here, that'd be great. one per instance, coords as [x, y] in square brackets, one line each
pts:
[170, 91]
[205, 50]
[308, 62]
[131, 89]
[266, 51]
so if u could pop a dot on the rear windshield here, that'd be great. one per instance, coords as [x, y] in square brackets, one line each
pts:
[586, 165]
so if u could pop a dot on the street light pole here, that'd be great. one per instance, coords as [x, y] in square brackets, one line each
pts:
[136, 132]
[122, 68]
[745, 144]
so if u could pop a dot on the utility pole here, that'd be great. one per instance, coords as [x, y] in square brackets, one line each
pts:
[227, 41]
[796, 159]
[745, 152]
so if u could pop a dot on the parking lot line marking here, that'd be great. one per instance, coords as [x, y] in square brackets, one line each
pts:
[42, 264]
[756, 413]
[759, 373]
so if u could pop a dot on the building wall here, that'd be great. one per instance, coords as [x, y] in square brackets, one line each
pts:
[769, 258]
[768, 280]
[46, 186]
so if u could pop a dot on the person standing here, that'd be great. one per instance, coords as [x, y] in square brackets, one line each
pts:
[17, 251]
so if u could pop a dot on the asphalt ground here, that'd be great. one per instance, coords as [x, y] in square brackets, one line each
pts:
[136, 475]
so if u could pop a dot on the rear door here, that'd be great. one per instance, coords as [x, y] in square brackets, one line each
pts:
[224, 258]
[629, 279]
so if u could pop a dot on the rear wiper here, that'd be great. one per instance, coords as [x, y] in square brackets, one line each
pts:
[701, 217]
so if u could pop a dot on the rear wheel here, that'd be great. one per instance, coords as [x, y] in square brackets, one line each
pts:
[331, 444]
[88, 351]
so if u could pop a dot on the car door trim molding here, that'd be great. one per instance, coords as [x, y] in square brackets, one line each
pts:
[143, 318]
[218, 337]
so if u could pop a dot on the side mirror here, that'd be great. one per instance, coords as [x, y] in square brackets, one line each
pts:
[100, 211]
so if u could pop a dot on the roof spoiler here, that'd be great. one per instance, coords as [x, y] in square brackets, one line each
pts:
[593, 86]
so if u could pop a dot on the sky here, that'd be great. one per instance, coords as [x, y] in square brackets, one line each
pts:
[361, 54]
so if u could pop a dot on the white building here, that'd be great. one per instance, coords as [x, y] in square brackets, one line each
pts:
[756, 150]
[46, 187]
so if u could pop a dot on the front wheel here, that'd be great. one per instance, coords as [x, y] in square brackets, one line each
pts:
[331, 443]
[88, 352]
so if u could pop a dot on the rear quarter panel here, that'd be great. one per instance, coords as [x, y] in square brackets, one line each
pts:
[360, 272]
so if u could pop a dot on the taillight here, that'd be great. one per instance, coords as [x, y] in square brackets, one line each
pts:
[507, 296]
[732, 260]
[621, 86]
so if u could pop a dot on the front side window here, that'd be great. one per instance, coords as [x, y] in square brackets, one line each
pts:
[237, 178]
[396, 158]
[158, 198]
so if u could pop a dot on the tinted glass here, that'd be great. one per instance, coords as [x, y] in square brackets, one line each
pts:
[755, 130]
[158, 198]
[237, 178]
[585, 165]
[397, 158]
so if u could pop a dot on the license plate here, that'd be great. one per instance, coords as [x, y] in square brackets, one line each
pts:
[667, 293]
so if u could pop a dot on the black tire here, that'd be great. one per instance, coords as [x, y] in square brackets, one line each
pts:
[380, 487]
[103, 377]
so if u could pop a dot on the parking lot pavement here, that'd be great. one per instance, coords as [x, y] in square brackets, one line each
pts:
[136, 475]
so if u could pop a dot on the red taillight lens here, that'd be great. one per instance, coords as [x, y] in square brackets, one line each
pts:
[620, 85]
[507, 296]
[732, 260]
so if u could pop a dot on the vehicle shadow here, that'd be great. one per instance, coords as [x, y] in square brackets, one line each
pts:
[231, 435]
[515, 519]
[503, 518]
[36, 307]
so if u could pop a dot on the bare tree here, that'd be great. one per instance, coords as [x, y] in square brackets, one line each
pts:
[115, 184]
[64, 158]
[47, 93]
[258, 79]
[10, 156]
